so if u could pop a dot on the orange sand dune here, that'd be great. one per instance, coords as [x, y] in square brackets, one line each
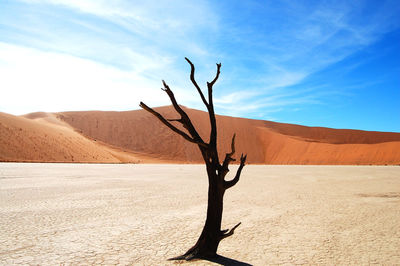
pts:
[334, 136]
[41, 137]
[137, 136]
[263, 141]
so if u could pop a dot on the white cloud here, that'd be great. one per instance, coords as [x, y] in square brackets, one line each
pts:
[33, 80]
[127, 47]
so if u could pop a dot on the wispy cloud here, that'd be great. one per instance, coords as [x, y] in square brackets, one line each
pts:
[119, 51]
[309, 38]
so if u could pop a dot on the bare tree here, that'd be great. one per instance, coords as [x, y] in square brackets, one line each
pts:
[207, 244]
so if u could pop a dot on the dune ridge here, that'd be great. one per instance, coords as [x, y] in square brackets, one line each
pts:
[137, 136]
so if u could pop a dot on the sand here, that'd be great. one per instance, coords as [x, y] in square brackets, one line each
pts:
[42, 137]
[265, 142]
[53, 214]
[138, 137]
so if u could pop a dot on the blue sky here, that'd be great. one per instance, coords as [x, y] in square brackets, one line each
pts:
[316, 63]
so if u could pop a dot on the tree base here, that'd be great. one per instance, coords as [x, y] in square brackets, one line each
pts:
[206, 248]
[196, 253]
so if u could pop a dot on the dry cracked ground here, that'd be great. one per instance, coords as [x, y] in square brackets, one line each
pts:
[70, 214]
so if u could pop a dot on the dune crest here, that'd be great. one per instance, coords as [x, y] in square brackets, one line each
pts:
[136, 136]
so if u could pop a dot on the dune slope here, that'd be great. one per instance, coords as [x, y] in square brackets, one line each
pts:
[137, 136]
[41, 137]
[263, 141]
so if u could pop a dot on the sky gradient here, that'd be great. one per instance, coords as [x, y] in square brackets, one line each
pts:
[316, 63]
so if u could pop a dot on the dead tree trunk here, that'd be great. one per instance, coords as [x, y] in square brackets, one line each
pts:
[207, 244]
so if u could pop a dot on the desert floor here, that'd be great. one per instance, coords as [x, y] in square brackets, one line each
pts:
[54, 214]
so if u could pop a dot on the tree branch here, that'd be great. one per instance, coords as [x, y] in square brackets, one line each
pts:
[172, 127]
[211, 84]
[228, 156]
[213, 122]
[185, 120]
[231, 183]
[195, 83]
[226, 233]
[173, 100]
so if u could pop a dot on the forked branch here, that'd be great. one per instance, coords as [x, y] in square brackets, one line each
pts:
[231, 183]
[172, 127]
[209, 104]
[228, 156]
[184, 120]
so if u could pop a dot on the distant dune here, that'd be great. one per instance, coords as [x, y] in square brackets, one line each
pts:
[136, 136]
[41, 137]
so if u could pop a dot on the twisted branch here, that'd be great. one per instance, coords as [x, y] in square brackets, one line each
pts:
[228, 156]
[231, 183]
[172, 127]
[184, 120]
[195, 83]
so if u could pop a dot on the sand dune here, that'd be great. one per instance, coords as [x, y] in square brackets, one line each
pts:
[136, 136]
[333, 136]
[263, 141]
[281, 149]
[41, 137]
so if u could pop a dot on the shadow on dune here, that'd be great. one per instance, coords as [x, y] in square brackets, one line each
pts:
[221, 260]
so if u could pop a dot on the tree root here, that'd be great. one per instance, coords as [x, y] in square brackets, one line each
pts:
[191, 254]
[197, 252]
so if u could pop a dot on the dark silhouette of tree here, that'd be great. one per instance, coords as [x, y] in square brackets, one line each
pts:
[207, 244]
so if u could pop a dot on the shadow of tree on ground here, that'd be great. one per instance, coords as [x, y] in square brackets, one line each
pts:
[221, 260]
